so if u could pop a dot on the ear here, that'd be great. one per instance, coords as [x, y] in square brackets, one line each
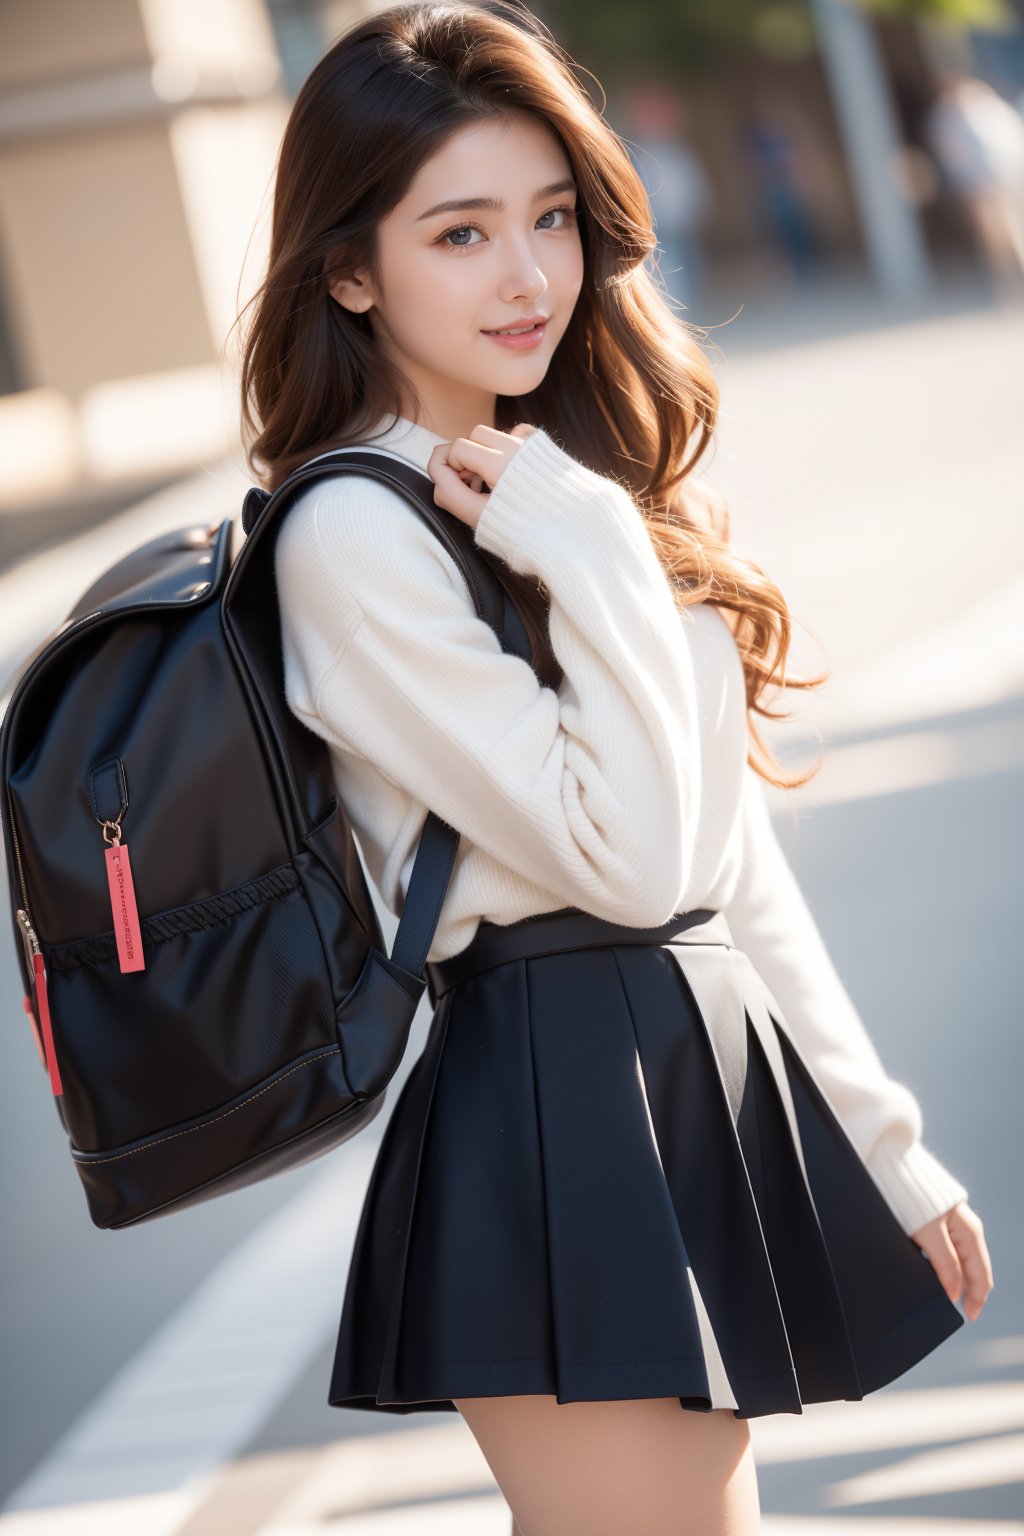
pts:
[353, 291]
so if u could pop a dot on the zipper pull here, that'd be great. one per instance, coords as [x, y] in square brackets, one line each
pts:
[123, 905]
[42, 997]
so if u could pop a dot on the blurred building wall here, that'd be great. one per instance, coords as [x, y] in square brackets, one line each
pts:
[137, 140]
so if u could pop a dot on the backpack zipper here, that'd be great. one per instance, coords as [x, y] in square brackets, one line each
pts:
[17, 849]
[36, 965]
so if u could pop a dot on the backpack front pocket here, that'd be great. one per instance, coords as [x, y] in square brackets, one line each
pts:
[234, 988]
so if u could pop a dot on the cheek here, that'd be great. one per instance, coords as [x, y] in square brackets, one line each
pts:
[566, 266]
[578, 266]
[566, 282]
[434, 293]
[456, 284]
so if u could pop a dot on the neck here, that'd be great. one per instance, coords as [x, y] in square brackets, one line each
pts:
[449, 419]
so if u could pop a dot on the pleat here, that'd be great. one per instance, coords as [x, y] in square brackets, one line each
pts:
[893, 1304]
[693, 1043]
[625, 1320]
[475, 1316]
[810, 1298]
[369, 1329]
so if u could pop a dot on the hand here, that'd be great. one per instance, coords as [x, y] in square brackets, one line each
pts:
[955, 1244]
[460, 469]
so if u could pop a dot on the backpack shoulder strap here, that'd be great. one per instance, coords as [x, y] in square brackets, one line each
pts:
[261, 508]
[435, 856]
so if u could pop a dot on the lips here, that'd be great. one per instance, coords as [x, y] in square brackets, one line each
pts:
[530, 322]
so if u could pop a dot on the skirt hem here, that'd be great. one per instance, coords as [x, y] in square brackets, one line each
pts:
[921, 1331]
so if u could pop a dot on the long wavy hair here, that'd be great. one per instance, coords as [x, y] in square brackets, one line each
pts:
[628, 392]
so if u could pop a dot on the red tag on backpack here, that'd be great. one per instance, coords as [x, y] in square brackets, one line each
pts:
[26, 1003]
[42, 997]
[125, 911]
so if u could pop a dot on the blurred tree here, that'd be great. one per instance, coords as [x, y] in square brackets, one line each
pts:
[958, 13]
[690, 36]
[687, 37]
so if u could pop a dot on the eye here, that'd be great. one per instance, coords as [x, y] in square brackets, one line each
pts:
[570, 214]
[458, 229]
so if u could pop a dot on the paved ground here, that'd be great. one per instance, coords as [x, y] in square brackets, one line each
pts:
[173, 1379]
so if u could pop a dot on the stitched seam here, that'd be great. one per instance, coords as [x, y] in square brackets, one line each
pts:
[92, 1162]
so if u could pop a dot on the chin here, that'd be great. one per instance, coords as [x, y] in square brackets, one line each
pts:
[526, 367]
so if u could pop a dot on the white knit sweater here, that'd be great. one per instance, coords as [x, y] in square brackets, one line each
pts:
[625, 793]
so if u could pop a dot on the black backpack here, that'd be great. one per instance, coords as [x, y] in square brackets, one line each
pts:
[203, 965]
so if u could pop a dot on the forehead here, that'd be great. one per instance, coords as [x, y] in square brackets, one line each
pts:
[502, 157]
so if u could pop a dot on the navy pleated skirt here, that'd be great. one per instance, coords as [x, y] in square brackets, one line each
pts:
[612, 1174]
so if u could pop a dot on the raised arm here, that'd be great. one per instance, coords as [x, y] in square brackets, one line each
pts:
[592, 792]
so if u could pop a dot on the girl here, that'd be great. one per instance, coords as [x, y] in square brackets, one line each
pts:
[648, 1178]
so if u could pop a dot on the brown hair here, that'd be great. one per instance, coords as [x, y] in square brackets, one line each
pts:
[628, 391]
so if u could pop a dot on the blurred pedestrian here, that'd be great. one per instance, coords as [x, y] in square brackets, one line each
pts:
[782, 166]
[977, 140]
[677, 185]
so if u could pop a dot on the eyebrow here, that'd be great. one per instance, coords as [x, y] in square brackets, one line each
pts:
[496, 204]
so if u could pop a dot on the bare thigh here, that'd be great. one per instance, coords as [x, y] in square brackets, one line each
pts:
[647, 1465]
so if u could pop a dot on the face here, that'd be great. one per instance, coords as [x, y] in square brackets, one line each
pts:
[450, 275]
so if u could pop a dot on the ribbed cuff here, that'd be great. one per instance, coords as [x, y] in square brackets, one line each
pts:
[915, 1183]
[540, 483]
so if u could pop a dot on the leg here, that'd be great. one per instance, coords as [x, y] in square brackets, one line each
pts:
[645, 1465]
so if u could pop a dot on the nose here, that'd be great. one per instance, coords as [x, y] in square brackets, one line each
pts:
[524, 278]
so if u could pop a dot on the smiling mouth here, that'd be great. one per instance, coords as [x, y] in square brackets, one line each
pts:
[524, 330]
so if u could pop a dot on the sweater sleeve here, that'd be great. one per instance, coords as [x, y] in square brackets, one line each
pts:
[591, 792]
[770, 921]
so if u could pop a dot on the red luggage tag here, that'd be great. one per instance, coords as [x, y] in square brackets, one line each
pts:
[123, 906]
[108, 794]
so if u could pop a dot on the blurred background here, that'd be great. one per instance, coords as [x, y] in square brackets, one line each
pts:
[838, 191]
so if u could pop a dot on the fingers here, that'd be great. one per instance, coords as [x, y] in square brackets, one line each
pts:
[494, 437]
[452, 493]
[477, 457]
[494, 434]
[945, 1261]
[955, 1245]
[966, 1232]
[463, 468]
[486, 434]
